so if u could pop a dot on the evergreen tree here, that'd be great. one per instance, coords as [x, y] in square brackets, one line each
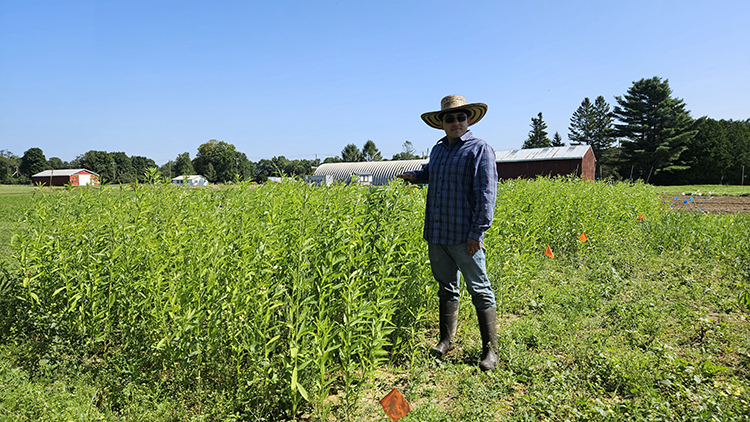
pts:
[716, 154]
[581, 129]
[370, 152]
[557, 140]
[603, 134]
[32, 162]
[592, 124]
[538, 134]
[351, 153]
[656, 128]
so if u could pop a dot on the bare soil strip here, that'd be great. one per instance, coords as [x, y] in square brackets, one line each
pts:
[709, 204]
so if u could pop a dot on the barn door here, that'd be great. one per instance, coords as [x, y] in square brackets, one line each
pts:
[84, 179]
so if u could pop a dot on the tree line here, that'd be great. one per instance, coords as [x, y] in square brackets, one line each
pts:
[650, 135]
[218, 161]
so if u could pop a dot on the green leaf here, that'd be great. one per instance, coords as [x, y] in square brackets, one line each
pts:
[302, 391]
[162, 343]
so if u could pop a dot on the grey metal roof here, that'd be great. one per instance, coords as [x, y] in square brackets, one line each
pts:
[382, 171]
[539, 154]
[62, 172]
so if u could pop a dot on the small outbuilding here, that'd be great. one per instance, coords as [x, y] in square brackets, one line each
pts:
[62, 177]
[194, 180]
[577, 160]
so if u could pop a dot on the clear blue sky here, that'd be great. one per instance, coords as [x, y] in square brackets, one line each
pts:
[304, 78]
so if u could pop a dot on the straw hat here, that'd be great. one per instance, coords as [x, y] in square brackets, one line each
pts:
[452, 104]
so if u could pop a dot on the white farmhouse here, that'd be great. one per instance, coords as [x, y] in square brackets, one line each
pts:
[194, 180]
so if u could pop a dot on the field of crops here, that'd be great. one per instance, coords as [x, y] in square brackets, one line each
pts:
[288, 301]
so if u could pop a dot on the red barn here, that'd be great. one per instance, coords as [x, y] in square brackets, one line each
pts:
[528, 163]
[62, 177]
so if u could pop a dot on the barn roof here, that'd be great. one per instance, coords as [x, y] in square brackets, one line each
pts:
[381, 171]
[62, 172]
[539, 154]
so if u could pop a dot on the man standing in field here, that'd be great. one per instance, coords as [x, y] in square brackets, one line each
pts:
[462, 185]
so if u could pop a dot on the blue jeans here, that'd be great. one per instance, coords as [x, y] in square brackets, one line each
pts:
[447, 260]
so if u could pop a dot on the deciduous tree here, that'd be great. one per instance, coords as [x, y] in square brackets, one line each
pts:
[264, 169]
[57, 163]
[245, 167]
[123, 168]
[224, 160]
[141, 166]
[99, 162]
[9, 164]
[183, 166]
[32, 162]
[407, 152]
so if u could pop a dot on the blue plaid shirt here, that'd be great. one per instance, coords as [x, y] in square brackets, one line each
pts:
[462, 186]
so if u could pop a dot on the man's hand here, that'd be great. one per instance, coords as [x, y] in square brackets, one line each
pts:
[473, 246]
[407, 175]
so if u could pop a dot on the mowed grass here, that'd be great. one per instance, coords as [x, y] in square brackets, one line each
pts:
[14, 202]
[706, 190]
[643, 321]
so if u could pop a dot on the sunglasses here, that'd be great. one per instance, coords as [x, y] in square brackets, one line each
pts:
[450, 119]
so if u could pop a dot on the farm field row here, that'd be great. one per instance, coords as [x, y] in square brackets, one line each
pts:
[286, 301]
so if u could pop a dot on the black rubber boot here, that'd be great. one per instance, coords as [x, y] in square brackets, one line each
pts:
[488, 329]
[448, 324]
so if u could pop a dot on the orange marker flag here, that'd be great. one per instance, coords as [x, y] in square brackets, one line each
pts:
[395, 406]
[641, 217]
[548, 252]
[583, 237]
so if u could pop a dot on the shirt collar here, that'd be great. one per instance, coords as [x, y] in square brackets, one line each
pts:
[465, 137]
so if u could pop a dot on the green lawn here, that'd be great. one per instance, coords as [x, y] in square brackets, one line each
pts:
[14, 201]
[715, 190]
